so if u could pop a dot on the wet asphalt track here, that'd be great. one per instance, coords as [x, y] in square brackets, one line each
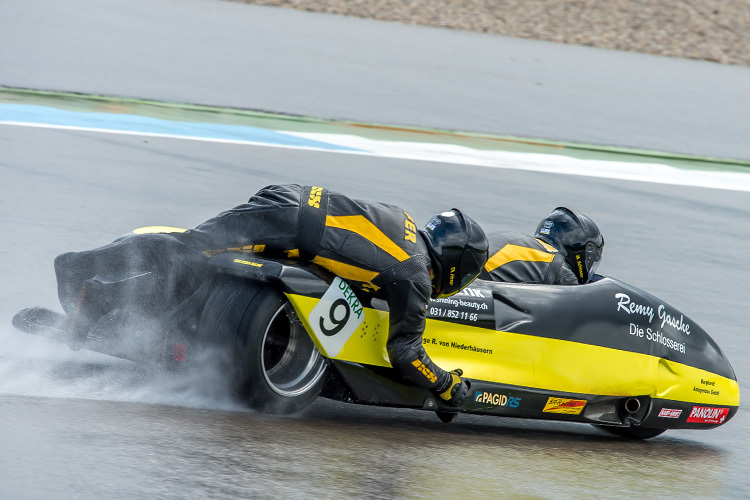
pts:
[82, 426]
[77, 425]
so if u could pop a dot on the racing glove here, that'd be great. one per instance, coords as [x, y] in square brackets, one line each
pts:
[457, 389]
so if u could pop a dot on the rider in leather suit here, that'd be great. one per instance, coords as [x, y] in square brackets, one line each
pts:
[566, 249]
[375, 247]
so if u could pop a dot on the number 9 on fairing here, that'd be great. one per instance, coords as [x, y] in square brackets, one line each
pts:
[338, 324]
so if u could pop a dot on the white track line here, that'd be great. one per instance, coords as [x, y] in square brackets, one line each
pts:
[455, 154]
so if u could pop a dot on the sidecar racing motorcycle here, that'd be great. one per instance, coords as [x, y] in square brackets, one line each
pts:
[605, 353]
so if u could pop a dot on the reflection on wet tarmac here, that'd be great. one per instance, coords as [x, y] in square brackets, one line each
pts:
[98, 449]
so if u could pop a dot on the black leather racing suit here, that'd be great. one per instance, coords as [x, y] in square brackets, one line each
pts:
[520, 258]
[374, 246]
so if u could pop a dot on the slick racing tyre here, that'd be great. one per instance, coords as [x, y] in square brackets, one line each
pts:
[276, 368]
[631, 432]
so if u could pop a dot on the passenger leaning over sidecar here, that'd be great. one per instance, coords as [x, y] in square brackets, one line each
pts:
[566, 249]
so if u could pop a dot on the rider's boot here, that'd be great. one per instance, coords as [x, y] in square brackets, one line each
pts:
[39, 319]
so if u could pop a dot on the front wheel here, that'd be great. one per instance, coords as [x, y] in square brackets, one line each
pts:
[633, 432]
[276, 367]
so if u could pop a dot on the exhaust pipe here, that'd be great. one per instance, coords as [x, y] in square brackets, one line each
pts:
[632, 405]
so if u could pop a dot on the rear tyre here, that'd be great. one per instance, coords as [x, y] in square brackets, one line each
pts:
[631, 432]
[275, 366]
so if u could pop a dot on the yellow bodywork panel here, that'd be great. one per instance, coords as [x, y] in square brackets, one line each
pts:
[685, 383]
[367, 343]
[536, 362]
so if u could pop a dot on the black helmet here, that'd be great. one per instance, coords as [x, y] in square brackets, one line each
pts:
[458, 250]
[576, 237]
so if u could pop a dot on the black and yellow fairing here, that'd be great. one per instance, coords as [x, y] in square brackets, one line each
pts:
[605, 352]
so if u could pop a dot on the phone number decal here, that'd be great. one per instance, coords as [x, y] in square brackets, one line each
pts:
[471, 306]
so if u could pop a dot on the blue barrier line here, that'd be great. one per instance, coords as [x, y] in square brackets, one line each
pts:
[45, 115]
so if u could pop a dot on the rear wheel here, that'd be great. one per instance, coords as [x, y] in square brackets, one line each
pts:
[634, 432]
[275, 365]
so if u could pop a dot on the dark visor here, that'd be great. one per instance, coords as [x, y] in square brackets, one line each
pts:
[593, 258]
[470, 268]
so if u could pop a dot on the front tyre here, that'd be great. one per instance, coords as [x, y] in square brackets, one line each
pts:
[633, 432]
[446, 416]
[275, 365]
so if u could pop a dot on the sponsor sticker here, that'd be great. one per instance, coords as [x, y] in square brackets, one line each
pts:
[248, 263]
[562, 405]
[335, 318]
[496, 399]
[670, 413]
[470, 306]
[708, 415]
